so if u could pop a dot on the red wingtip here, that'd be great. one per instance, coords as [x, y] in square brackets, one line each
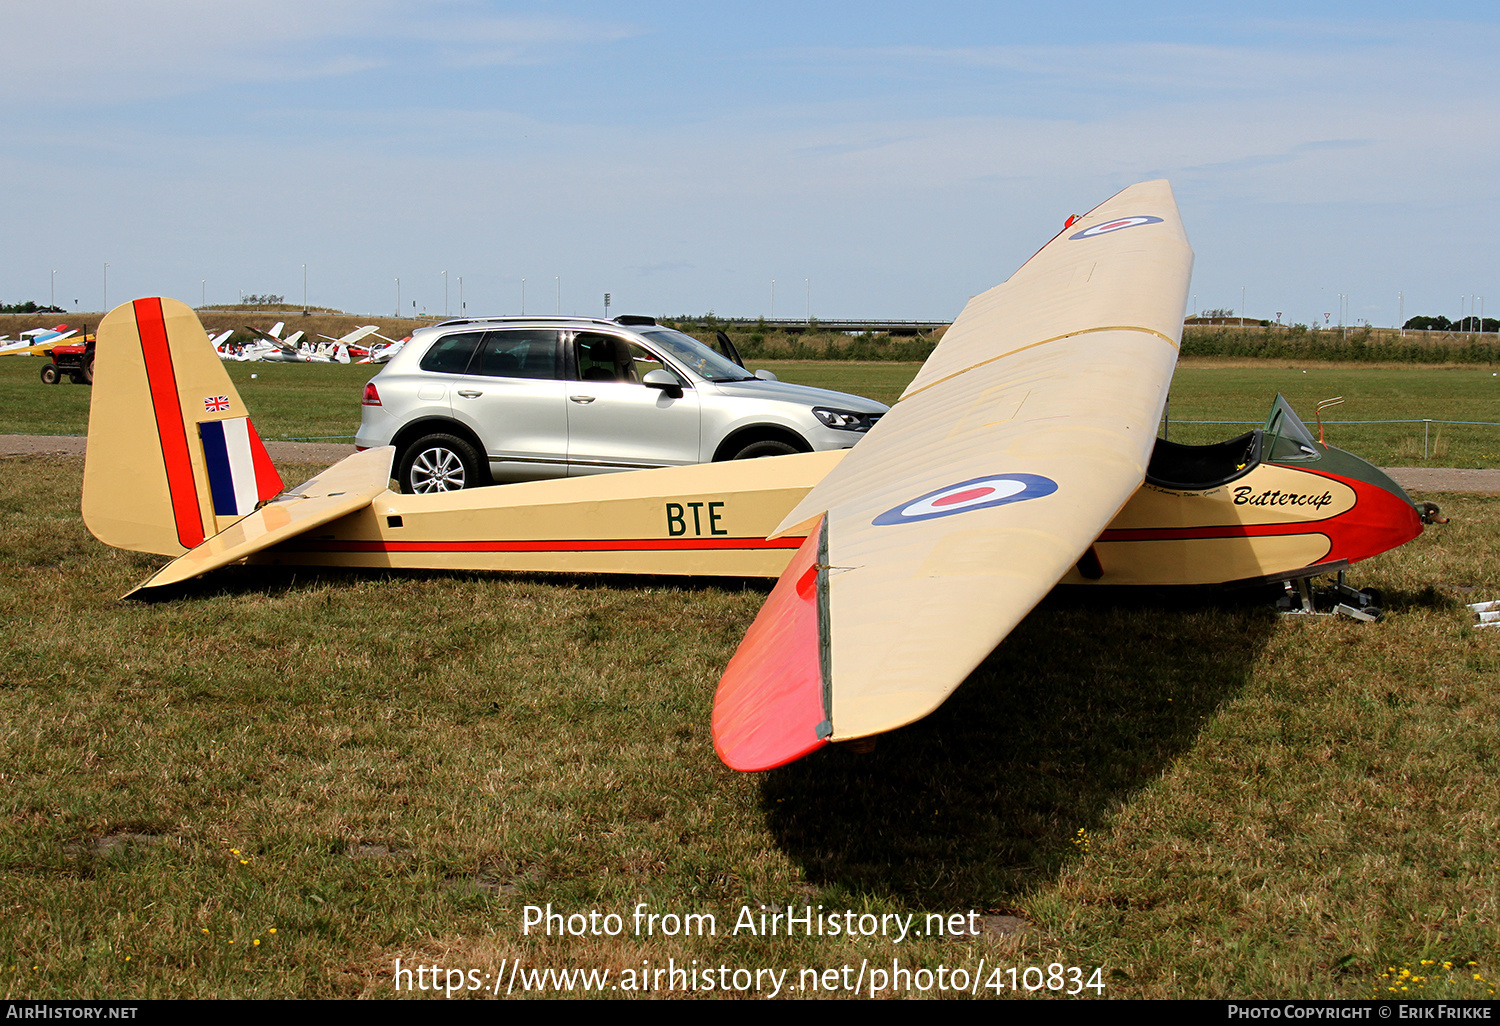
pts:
[769, 709]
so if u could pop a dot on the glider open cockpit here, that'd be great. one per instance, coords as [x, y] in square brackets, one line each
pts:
[1270, 505]
[1023, 455]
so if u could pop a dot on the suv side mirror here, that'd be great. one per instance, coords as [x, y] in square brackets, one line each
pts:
[665, 380]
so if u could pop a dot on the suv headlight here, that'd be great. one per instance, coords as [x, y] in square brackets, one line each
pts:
[845, 420]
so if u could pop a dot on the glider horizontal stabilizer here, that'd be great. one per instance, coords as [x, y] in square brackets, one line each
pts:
[344, 488]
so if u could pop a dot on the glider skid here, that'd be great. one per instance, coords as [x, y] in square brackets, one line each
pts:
[1343, 598]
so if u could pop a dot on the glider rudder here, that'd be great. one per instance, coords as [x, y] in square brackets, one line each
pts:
[172, 456]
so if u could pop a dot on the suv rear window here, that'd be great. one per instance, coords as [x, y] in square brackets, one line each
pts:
[451, 353]
[519, 353]
[523, 353]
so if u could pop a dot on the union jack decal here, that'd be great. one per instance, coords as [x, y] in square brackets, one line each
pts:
[216, 404]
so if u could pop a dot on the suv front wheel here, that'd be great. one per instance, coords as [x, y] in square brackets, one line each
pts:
[439, 463]
[766, 447]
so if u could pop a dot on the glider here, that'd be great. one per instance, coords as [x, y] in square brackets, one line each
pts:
[1013, 461]
[1022, 455]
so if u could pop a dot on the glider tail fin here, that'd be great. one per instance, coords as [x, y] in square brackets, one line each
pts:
[172, 456]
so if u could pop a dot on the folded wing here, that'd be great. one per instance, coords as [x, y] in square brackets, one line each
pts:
[1025, 432]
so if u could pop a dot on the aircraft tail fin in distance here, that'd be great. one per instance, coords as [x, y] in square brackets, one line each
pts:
[172, 456]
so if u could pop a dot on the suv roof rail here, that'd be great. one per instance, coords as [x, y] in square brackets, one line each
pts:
[538, 317]
[634, 319]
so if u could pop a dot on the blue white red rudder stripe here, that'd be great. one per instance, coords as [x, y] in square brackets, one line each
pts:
[240, 473]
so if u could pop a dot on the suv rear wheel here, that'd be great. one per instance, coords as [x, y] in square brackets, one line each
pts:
[439, 463]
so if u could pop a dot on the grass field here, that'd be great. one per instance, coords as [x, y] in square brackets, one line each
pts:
[278, 784]
[304, 401]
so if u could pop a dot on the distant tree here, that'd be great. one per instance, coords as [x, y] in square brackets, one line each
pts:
[1429, 324]
[28, 307]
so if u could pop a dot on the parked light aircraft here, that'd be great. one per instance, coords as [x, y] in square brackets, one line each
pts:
[351, 340]
[37, 341]
[270, 347]
[1022, 455]
[385, 349]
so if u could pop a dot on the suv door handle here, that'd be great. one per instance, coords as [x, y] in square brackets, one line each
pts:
[585, 399]
[469, 393]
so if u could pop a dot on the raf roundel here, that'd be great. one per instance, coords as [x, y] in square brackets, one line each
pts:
[1114, 226]
[977, 493]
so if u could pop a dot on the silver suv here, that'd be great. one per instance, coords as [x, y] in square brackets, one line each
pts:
[472, 402]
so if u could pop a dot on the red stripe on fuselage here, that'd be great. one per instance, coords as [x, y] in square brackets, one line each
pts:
[563, 545]
[1219, 531]
[162, 380]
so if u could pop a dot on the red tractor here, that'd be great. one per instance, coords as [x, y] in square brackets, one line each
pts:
[76, 361]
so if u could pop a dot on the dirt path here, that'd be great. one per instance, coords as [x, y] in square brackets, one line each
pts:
[1446, 479]
[301, 452]
[1413, 479]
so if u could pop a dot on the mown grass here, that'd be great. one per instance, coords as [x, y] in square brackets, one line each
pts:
[1192, 795]
[303, 401]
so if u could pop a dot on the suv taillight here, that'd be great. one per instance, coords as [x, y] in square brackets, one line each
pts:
[372, 397]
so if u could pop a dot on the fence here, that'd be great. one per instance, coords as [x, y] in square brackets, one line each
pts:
[1426, 422]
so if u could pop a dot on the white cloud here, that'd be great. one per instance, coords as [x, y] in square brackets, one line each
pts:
[110, 52]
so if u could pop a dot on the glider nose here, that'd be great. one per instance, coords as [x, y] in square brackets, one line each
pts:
[1384, 516]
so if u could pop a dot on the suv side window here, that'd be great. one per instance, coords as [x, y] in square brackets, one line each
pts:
[603, 358]
[646, 361]
[451, 353]
[522, 353]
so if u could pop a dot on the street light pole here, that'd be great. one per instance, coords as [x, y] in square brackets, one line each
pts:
[808, 282]
[53, 300]
[523, 297]
[304, 290]
[202, 293]
[773, 299]
[462, 306]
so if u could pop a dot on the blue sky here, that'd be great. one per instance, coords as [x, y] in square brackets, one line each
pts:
[889, 160]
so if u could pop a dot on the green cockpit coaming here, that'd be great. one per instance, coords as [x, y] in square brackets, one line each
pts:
[1284, 440]
[1291, 444]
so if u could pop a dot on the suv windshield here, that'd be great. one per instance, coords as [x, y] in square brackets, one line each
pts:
[700, 359]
